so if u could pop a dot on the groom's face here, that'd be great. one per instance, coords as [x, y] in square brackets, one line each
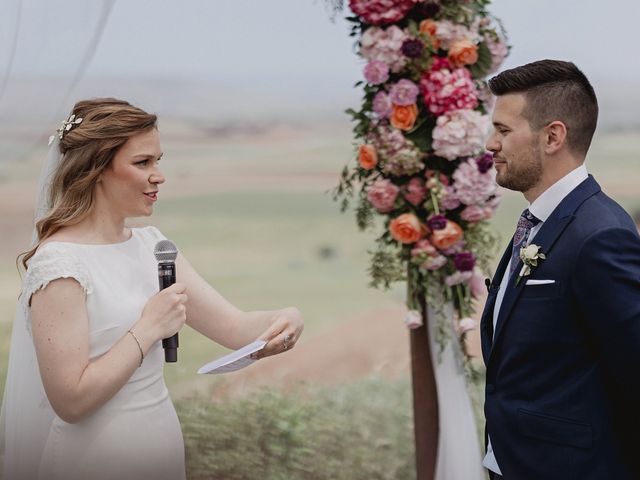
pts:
[516, 149]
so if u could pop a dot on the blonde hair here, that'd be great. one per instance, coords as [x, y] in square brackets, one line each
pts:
[87, 149]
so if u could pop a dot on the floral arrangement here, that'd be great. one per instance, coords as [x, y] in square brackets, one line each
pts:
[421, 163]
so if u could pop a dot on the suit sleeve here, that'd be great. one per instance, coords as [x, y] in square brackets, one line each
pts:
[607, 290]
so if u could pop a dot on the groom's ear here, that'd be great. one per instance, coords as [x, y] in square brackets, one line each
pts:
[554, 137]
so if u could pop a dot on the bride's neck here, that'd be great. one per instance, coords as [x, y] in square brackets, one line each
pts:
[100, 226]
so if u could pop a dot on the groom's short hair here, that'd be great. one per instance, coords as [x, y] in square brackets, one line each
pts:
[554, 90]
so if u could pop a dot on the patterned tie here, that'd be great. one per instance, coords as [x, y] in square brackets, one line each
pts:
[526, 222]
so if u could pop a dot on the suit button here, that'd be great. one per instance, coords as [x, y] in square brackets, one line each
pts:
[490, 388]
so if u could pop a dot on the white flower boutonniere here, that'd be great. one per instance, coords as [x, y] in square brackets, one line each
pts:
[530, 255]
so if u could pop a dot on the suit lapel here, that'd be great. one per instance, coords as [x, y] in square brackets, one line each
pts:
[549, 233]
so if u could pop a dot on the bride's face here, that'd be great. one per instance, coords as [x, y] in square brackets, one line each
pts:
[130, 183]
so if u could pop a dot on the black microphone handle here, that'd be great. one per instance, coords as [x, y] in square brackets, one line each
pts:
[166, 278]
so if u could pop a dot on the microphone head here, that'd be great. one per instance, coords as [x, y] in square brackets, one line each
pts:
[165, 251]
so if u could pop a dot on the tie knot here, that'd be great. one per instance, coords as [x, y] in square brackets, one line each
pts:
[528, 219]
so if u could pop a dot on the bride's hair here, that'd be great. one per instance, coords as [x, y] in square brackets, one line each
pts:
[87, 149]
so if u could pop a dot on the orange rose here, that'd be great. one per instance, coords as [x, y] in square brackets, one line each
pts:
[430, 27]
[404, 117]
[367, 157]
[406, 228]
[463, 52]
[448, 236]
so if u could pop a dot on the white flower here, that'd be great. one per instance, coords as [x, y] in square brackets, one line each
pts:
[460, 133]
[413, 319]
[458, 278]
[530, 255]
[466, 325]
[449, 32]
[529, 252]
[384, 46]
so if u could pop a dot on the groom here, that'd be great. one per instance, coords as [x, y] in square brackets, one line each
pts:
[560, 339]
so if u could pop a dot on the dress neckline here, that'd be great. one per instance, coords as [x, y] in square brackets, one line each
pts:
[125, 242]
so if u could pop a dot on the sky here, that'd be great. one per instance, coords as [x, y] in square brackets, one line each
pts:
[249, 40]
[290, 50]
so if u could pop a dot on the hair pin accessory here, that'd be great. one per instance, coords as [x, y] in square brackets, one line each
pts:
[66, 126]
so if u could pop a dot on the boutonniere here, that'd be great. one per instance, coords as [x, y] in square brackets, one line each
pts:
[530, 255]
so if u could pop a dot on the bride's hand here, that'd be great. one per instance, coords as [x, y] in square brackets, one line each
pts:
[283, 333]
[164, 314]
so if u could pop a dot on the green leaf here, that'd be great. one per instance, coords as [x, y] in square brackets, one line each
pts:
[421, 135]
[386, 267]
[364, 212]
[482, 66]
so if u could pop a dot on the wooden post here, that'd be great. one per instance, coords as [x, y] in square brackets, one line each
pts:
[425, 400]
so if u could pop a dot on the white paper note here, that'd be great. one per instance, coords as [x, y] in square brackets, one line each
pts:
[235, 360]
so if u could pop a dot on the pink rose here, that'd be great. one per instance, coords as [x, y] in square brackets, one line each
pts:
[413, 319]
[424, 246]
[381, 12]
[376, 72]
[382, 105]
[434, 263]
[473, 214]
[455, 248]
[416, 191]
[466, 325]
[449, 200]
[382, 195]
[476, 284]
[405, 92]
[458, 278]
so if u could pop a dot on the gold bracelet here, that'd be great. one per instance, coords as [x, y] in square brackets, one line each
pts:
[139, 346]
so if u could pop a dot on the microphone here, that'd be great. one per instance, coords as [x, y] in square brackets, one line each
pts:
[166, 252]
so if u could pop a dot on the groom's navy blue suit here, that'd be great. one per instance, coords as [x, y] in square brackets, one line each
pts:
[563, 369]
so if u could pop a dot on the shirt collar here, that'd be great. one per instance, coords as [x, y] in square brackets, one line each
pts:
[546, 203]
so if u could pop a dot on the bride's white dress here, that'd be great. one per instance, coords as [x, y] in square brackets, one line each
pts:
[136, 434]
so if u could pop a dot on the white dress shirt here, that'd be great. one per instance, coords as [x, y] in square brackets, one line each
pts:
[541, 208]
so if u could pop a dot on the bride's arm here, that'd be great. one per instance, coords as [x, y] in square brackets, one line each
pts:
[215, 317]
[76, 386]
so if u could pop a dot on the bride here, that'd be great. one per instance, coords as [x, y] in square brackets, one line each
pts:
[85, 397]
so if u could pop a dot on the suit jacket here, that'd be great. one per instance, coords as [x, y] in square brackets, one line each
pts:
[562, 388]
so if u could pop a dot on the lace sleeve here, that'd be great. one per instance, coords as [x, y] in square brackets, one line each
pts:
[52, 261]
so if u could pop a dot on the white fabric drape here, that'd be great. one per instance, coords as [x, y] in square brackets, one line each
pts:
[45, 49]
[459, 455]
[29, 100]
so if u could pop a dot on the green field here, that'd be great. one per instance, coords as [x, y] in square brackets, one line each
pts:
[273, 248]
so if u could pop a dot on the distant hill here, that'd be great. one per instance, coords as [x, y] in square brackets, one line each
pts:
[33, 107]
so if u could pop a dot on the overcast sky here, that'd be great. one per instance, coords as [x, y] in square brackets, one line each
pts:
[285, 47]
[294, 39]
